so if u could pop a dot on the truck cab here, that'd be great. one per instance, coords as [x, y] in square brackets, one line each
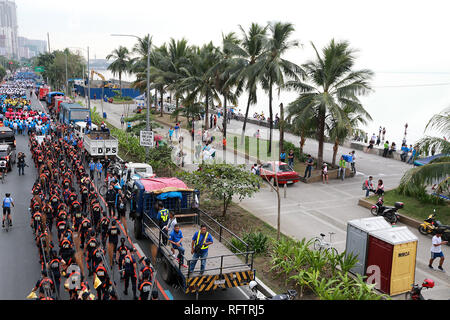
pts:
[224, 268]
[80, 128]
[43, 91]
[72, 112]
[135, 171]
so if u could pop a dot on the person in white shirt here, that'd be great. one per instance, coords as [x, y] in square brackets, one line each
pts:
[436, 250]
[171, 223]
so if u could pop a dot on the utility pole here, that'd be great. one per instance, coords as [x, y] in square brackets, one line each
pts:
[89, 85]
[67, 80]
[147, 149]
[281, 126]
[48, 42]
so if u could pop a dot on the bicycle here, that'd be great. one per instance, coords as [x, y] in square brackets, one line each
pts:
[320, 244]
[7, 224]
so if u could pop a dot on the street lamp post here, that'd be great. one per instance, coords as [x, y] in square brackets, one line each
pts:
[148, 83]
[89, 101]
[67, 80]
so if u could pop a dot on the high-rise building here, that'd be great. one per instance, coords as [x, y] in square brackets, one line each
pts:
[29, 48]
[9, 45]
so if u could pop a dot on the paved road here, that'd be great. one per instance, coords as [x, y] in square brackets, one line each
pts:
[19, 263]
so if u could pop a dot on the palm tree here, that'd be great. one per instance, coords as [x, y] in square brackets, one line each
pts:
[225, 74]
[437, 170]
[177, 64]
[341, 128]
[304, 121]
[334, 85]
[199, 81]
[121, 63]
[272, 69]
[246, 53]
[139, 63]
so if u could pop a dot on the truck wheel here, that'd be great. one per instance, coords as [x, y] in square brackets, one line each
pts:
[138, 228]
[166, 272]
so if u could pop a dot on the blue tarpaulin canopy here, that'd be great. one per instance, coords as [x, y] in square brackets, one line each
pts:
[424, 161]
[172, 194]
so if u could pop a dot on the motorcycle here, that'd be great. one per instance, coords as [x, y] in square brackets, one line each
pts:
[389, 213]
[256, 295]
[431, 225]
[416, 291]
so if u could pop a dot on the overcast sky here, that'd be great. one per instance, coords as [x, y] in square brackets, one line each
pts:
[391, 36]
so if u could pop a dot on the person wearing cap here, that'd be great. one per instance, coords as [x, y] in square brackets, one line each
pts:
[436, 250]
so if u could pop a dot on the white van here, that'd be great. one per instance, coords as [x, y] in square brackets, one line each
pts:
[80, 127]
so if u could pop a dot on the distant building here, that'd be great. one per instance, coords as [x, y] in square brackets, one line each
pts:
[99, 64]
[9, 45]
[30, 48]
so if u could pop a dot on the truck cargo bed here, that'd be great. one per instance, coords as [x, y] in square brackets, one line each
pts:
[219, 256]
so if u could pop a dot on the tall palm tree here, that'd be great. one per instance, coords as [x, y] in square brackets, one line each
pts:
[272, 69]
[140, 49]
[225, 75]
[121, 63]
[177, 64]
[341, 128]
[332, 85]
[245, 54]
[437, 170]
[199, 81]
[304, 121]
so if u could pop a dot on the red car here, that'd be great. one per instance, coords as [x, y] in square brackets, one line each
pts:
[284, 173]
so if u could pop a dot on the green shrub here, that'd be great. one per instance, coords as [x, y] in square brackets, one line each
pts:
[297, 155]
[237, 245]
[257, 242]
[322, 272]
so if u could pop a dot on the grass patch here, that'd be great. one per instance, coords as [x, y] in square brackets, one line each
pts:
[414, 208]
[241, 222]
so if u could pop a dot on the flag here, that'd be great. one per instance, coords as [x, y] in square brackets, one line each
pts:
[97, 282]
[32, 295]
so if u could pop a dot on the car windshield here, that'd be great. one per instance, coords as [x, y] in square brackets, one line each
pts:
[140, 170]
[284, 168]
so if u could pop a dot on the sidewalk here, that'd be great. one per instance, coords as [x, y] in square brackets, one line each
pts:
[311, 209]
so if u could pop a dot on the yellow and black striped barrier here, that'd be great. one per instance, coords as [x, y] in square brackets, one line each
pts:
[213, 282]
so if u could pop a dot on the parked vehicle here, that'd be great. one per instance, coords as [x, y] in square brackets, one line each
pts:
[416, 290]
[51, 95]
[99, 144]
[72, 112]
[389, 213]
[257, 295]
[431, 226]
[8, 154]
[224, 268]
[132, 172]
[279, 169]
[80, 128]
[8, 137]
[43, 91]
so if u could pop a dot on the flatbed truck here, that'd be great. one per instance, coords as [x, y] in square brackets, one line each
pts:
[224, 268]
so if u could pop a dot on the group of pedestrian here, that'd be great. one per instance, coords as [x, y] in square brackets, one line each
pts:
[65, 198]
